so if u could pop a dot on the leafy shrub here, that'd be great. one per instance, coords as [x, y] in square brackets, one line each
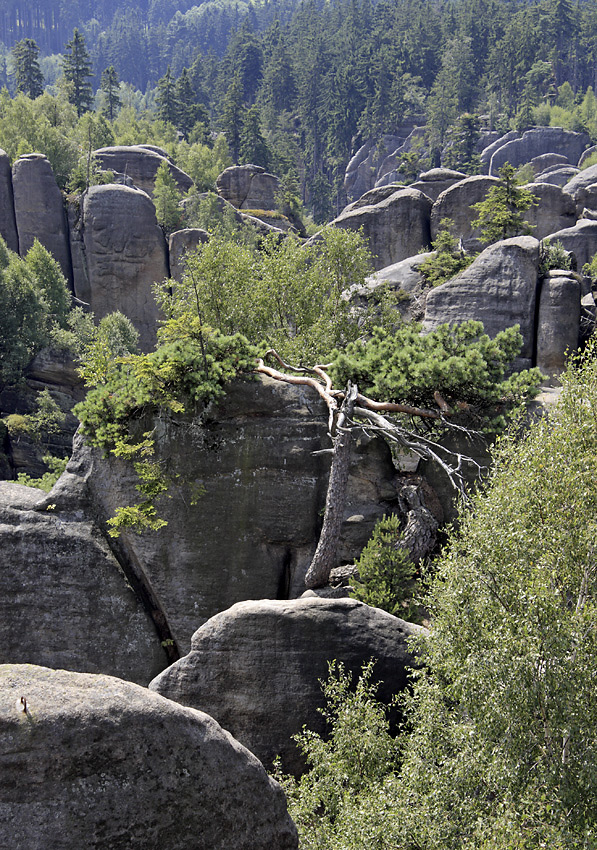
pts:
[553, 257]
[448, 260]
[48, 479]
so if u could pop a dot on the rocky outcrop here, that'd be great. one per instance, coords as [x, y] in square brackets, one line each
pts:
[244, 516]
[255, 667]
[8, 224]
[580, 239]
[395, 228]
[362, 169]
[581, 183]
[64, 601]
[499, 289]
[557, 176]
[248, 187]
[432, 183]
[554, 210]
[140, 163]
[94, 762]
[533, 143]
[490, 149]
[589, 152]
[456, 202]
[179, 244]
[548, 160]
[39, 210]
[119, 252]
[558, 322]
[401, 280]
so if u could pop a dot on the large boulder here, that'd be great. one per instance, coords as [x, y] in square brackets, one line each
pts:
[256, 667]
[498, 288]
[489, 149]
[401, 280]
[554, 210]
[432, 183]
[580, 239]
[456, 204]
[558, 321]
[64, 600]
[39, 209]
[548, 160]
[244, 516]
[140, 163]
[579, 185]
[119, 253]
[181, 242]
[539, 140]
[93, 762]
[395, 228]
[8, 224]
[248, 187]
[557, 175]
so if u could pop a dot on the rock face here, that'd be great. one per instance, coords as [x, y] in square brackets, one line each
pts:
[39, 210]
[456, 202]
[8, 224]
[256, 667]
[555, 209]
[64, 601]
[119, 252]
[579, 185]
[395, 228]
[533, 143]
[180, 242]
[558, 324]
[580, 239]
[95, 762]
[432, 183]
[248, 187]
[499, 289]
[140, 163]
[404, 280]
[557, 176]
[244, 519]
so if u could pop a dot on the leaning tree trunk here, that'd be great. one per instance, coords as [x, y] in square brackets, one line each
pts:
[326, 553]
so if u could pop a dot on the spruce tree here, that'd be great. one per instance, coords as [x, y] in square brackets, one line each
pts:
[167, 100]
[28, 75]
[76, 67]
[232, 116]
[110, 86]
[189, 110]
[252, 146]
[500, 215]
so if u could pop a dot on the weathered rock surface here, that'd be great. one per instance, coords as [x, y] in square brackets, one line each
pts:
[557, 176]
[548, 160]
[248, 187]
[404, 280]
[395, 228]
[558, 323]
[140, 163]
[539, 140]
[244, 519]
[119, 252]
[364, 167]
[555, 209]
[8, 224]
[180, 243]
[456, 202]
[64, 601]
[580, 239]
[586, 154]
[39, 210]
[255, 667]
[432, 183]
[499, 289]
[580, 183]
[492, 147]
[94, 762]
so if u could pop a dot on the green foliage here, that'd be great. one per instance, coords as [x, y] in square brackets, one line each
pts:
[554, 257]
[110, 88]
[500, 215]
[28, 76]
[385, 571]
[590, 268]
[50, 283]
[331, 802]
[167, 198]
[57, 465]
[461, 363]
[99, 346]
[204, 163]
[449, 259]
[285, 296]
[76, 67]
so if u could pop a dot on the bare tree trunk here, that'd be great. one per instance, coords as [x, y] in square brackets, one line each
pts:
[325, 556]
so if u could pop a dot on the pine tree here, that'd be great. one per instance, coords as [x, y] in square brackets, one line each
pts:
[166, 99]
[110, 86]
[252, 146]
[500, 215]
[232, 116]
[29, 78]
[76, 67]
[189, 110]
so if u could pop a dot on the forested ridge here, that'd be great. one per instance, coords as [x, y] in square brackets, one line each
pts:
[316, 80]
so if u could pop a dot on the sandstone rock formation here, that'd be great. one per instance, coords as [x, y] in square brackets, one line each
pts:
[64, 601]
[548, 160]
[554, 210]
[8, 224]
[498, 289]
[404, 281]
[557, 175]
[255, 667]
[578, 185]
[39, 209]
[94, 762]
[558, 322]
[181, 242]
[244, 518]
[492, 147]
[533, 143]
[248, 187]
[432, 183]
[580, 239]
[395, 228]
[140, 163]
[118, 252]
[456, 202]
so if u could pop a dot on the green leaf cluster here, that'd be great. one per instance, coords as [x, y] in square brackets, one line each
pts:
[460, 362]
[500, 215]
[448, 260]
